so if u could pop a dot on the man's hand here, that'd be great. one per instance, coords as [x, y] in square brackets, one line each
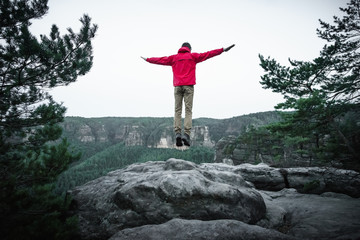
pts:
[228, 48]
[143, 58]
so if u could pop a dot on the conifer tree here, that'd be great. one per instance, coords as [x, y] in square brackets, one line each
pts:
[324, 91]
[32, 154]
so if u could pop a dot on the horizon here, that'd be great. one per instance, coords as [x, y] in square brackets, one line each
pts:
[171, 117]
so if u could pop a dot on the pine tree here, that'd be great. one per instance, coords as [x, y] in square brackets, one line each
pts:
[323, 91]
[32, 154]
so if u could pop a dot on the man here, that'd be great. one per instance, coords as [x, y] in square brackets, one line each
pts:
[183, 66]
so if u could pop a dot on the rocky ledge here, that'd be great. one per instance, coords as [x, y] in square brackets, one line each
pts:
[177, 199]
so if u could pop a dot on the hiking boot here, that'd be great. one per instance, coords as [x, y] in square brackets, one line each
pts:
[186, 140]
[178, 140]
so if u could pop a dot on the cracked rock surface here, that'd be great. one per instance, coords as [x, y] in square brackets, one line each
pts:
[177, 199]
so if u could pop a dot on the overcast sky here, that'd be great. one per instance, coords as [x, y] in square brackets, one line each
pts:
[121, 84]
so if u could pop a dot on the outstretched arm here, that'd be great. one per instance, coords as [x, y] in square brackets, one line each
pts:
[206, 55]
[160, 60]
[228, 48]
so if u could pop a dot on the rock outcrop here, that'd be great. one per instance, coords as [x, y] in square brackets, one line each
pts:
[309, 216]
[177, 199]
[181, 229]
[315, 180]
[156, 192]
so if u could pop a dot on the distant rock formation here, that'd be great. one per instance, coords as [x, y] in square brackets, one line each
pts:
[157, 132]
[177, 199]
[231, 147]
[133, 135]
[200, 136]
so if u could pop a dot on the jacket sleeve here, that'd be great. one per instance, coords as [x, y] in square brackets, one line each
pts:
[199, 57]
[161, 60]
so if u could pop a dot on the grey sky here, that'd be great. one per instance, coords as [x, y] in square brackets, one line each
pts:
[122, 84]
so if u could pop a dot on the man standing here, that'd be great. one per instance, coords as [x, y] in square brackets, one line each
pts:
[183, 66]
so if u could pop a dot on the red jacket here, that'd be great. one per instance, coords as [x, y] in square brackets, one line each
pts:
[184, 64]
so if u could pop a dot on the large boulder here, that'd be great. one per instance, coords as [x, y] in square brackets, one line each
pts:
[180, 229]
[315, 180]
[156, 192]
[309, 216]
[177, 199]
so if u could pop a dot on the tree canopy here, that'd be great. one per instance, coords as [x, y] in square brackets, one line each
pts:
[31, 153]
[324, 93]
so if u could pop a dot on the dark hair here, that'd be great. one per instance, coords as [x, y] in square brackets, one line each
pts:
[186, 44]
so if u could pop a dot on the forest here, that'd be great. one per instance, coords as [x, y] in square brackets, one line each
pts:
[105, 153]
[119, 156]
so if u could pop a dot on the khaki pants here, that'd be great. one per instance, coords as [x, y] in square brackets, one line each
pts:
[185, 93]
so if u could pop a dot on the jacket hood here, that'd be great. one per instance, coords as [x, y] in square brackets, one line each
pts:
[184, 50]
